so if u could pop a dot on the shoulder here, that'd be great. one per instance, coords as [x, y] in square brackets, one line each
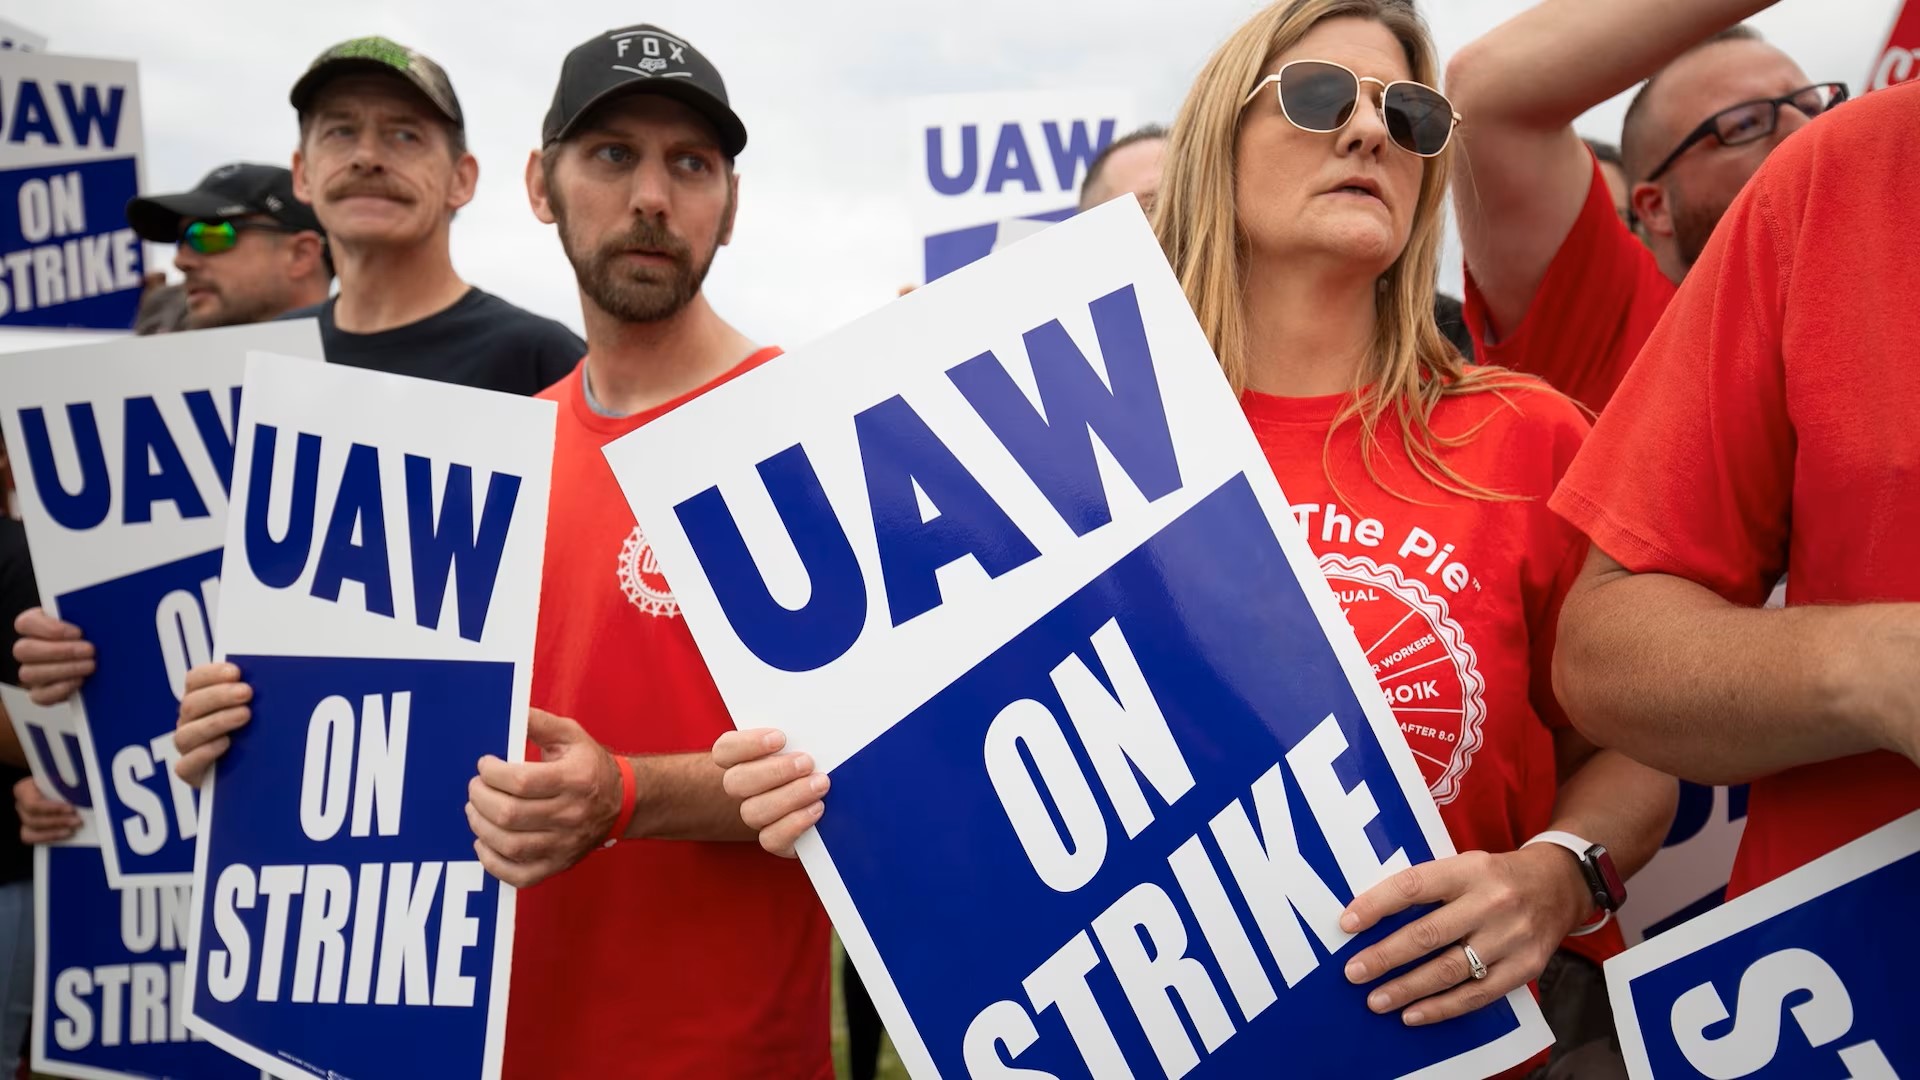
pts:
[1496, 395]
[518, 320]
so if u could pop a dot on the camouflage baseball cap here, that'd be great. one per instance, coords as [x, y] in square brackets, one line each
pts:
[380, 55]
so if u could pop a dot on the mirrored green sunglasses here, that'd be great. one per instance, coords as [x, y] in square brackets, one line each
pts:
[214, 237]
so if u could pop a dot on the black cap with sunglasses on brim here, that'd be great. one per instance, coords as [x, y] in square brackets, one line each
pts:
[641, 59]
[240, 190]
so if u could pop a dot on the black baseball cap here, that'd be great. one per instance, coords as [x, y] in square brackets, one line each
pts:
[378, 54]
[641, 59]
[241, 189]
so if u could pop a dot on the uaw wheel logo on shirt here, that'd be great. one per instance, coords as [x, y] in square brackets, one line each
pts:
[641, 580]
[1424, 664]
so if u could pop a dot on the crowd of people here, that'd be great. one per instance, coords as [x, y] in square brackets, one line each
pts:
[1723, 293]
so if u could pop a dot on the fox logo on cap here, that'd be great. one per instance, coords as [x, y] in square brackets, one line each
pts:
[653, 51]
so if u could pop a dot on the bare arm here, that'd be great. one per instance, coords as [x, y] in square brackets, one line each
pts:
[678, 797]
[1523, 174]
[1666, 670]
[1613, 800]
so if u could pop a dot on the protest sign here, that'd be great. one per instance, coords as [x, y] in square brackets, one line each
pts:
[70, 148]
[1791, 980]
[122, 452]
[110, 974]
[50, 737]
[1688, 876]
[381, 584]
[1005, 558]
[989, 168]
[1900, 60]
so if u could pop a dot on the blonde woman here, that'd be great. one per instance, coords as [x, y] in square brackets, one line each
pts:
[1301, 210]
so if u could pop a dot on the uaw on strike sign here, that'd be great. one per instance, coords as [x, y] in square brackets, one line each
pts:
[69, 161]
[380, 587]
[1795, 980]
[123, 453]
[1107, 762]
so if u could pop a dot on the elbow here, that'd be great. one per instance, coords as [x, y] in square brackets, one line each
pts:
[1475, 66]
[1579, 678]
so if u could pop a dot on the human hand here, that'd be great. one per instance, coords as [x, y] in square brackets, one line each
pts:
[1514, 909]
[42, 820]
[533, 819]
[780, 793]
[214, 706]
[54, 660]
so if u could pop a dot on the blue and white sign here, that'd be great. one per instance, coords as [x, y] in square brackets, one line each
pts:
[1688, 876]
[991, 168]
[1107, 762]
[70, 145]
[122, 453]
[381, 586]
[50, 737]
[110, 977]
[1791, 980]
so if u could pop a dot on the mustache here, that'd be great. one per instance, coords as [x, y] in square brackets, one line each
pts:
[374, 184]
[652, 236]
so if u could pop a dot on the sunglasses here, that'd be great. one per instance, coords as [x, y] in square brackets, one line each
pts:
[1320, 96]
[1751, 121]
[214, 237]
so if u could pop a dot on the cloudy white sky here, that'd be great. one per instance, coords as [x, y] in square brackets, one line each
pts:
[824, 232]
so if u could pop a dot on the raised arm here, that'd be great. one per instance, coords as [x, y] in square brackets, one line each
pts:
[1522, 174]
[1670, 673]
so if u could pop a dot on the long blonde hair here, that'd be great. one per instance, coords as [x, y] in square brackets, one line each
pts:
[1412, 365]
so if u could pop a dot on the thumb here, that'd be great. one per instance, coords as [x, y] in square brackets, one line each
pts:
[552, 734]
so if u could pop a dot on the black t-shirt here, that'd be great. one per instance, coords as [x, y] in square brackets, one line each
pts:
[17, 594]
[480, 341]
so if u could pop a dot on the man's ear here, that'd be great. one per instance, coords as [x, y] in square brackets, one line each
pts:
[1651, 209]
[301, 190]
[537, 189]
[466, 179]
[733, 207]
[306, 256]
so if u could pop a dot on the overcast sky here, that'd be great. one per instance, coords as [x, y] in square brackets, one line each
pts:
[824, 233]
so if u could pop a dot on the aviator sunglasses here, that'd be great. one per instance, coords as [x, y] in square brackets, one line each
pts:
[214, 237]
[1320, 95]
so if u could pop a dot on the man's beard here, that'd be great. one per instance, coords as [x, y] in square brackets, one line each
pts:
[1693, 225]
[637, 293]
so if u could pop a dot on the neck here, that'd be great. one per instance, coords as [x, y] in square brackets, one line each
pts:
[1666, 255]
[638, 366]
[1308, 334]
[385, 287]
[305, 295]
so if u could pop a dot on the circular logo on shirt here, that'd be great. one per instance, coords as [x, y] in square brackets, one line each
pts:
[641, 580]
[1424, 664]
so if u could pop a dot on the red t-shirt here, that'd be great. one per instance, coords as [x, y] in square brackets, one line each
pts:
[1770, 427]
[1455, 600]
[1602, 296]
[656, 958]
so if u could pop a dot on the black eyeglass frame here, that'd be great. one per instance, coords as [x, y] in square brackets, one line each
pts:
[1710, 127]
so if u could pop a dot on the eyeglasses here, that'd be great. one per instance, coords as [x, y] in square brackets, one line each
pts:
[1751, 121]
[1319, 96]
[214, 237]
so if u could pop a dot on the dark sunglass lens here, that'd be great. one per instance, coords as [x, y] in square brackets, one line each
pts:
[1318, 97]
[1419, 119]
[210, 237]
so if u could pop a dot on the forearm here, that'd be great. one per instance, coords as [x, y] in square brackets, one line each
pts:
[1615, 801]
[1571, 55]
[1668, 672]
[678, 797]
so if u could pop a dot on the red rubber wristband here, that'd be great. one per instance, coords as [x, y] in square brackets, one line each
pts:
[625, 817]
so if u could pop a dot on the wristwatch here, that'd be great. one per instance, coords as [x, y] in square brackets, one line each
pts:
[1603, 881]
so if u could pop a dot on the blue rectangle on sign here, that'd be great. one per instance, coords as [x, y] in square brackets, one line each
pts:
[1813, 993]
[343, 896]
[67, 255]
[115, 975]
[1126, 912]
[147, 629]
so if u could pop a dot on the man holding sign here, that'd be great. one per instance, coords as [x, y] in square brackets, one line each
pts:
[636, 170]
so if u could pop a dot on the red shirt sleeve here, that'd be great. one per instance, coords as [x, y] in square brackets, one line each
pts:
[1690, 473]
[1601, 297]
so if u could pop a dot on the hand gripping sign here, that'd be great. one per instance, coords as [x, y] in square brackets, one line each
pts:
[69, 162]
[123, 453]
[382, 583]
[1791, 980]
[1107, 761]
[50, 738]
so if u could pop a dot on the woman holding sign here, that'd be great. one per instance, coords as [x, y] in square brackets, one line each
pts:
[1301, 210]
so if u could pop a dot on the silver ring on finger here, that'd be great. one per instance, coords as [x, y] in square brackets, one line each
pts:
[1476, 968]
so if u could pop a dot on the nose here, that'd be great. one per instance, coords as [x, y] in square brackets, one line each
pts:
[649, 195]
[1366, 130]
[366, 151]
[187, 259]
